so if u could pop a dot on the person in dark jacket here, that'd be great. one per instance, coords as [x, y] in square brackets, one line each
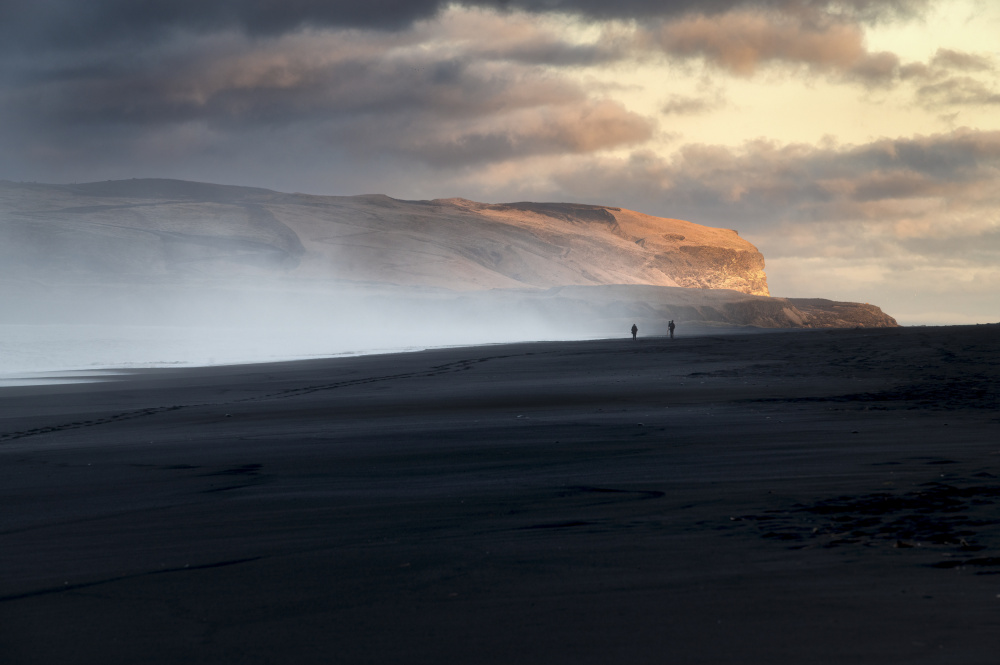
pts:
[635, 329]
[670, 327]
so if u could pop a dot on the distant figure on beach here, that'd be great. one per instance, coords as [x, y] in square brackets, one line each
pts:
[635, 329]
[670, 327]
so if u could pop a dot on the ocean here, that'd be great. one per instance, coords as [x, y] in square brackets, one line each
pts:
[38, 354]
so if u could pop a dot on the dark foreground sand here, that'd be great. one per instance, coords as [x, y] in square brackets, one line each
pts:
[809, 497]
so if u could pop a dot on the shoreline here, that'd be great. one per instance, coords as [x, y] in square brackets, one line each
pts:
[825, 498]
[93, 371]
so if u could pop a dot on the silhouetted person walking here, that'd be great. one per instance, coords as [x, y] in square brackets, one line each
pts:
[670, 327]
[635, 329]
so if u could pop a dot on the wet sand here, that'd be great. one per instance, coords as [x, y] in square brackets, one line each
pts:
[801, 497]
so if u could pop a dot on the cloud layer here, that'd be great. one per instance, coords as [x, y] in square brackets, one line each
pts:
[516, 99]
[468, 87]
[69, 24]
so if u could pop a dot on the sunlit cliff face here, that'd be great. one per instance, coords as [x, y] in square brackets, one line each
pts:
[173, 232]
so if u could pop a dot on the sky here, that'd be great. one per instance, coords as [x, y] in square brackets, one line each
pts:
[856, 143]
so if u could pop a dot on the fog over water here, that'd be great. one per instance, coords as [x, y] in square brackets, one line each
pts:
[53, 348]
[87, 329]
[162, 272]
[89, 326]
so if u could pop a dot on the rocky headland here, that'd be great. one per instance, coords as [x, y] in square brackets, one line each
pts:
[594, 264]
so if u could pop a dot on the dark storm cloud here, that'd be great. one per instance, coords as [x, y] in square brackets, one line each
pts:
[70, 24]
[230, 79]
[658, 9]
[45, 41]
[249, 88]
[111, 80]
[338, 94]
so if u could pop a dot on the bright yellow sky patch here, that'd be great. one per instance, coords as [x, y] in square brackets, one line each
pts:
[961, 25]
[791, 104]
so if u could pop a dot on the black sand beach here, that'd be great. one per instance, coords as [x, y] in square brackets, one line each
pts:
[803, 497]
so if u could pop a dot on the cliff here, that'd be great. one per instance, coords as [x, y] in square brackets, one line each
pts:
[148, 228]
[134, 245]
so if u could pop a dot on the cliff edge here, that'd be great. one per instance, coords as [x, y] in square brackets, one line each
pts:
[133, 241]
[147, 228]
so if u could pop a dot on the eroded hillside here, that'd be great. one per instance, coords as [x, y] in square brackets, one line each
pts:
[153, 229]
